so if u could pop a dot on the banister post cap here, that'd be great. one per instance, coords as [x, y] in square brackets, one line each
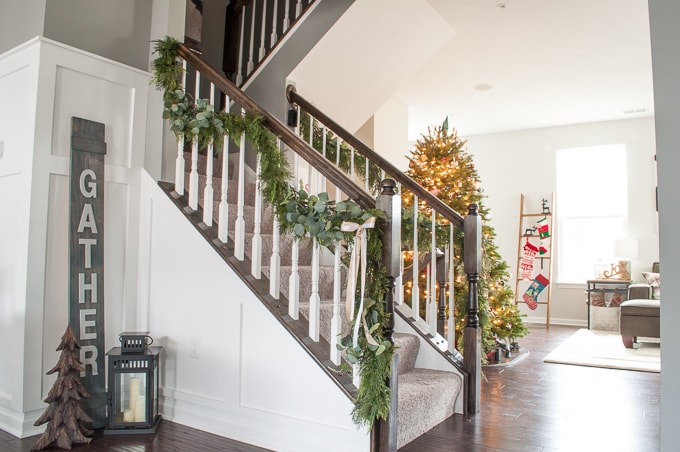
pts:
[388, 187]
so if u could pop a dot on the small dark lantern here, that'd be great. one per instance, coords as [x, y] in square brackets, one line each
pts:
[133, 385]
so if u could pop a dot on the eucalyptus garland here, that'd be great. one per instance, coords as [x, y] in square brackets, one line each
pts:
[298, 213]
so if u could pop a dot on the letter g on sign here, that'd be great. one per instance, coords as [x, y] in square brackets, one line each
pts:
[88, 189]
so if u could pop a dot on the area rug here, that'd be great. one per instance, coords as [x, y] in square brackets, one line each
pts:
[605, 349]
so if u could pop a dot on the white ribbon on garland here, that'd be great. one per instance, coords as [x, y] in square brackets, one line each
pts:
[357, 259]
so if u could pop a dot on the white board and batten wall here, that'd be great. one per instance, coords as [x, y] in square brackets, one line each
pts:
[43, 84]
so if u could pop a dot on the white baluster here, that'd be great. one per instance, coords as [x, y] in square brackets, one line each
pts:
[321, 180]
[451, 334]
[239, 71]
[314, 299]
[432, 298]
[223, 226]
[336, 320]
[240, 226]
[256, 256]
[415, 294]
[298, 9]
[273, 38]
[294, 278]
[356, 375]
[251, 65]
[179, 166]
[399, 281]
[286, 17]
[179, 162]
[208, 192]
[193, 175]
[275, 263]
[262, 50]
[367, 183]
[310, 169]
[351, 163]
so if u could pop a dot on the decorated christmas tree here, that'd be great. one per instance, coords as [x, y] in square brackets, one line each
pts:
[64, 415]
[441, 164]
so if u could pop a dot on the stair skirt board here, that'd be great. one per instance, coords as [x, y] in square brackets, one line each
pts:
[426, 396]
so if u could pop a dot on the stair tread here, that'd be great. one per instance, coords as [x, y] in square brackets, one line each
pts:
[426, 397]
[407, 347]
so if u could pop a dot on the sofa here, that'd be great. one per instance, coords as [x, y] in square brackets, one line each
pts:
[640, 314]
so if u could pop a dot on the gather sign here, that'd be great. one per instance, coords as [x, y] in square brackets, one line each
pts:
[86, 260]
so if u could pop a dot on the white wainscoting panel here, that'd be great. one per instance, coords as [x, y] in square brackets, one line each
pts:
[228, 366]
[43, 83]
[18, 91]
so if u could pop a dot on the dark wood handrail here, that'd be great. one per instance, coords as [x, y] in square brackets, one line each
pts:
[437, 204]
[331, 172]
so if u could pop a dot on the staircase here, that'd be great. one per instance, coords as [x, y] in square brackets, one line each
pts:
[285, 274]
[426, 397]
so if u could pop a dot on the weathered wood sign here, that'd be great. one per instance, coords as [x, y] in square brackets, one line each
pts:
[86, 260]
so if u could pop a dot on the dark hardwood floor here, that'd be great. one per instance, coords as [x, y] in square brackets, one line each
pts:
[169, 437]
[533, 406]
[529, 406]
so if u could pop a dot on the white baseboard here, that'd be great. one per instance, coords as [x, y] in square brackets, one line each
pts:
[259, 428]
[20, 424]
[555, 321]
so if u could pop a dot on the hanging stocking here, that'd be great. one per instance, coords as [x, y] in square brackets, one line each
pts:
[531, 295]
[543, 228]
[526, 263]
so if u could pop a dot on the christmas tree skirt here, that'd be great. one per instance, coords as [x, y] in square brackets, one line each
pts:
[501, 359]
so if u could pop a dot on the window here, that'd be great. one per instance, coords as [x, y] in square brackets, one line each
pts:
[592, 208]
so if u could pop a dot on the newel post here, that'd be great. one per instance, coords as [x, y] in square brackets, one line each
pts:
[472, 335]
[384, 433]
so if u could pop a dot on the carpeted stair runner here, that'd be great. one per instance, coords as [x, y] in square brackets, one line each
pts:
[426, 397]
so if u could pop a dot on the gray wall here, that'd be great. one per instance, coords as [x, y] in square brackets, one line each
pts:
[269, 87]
[20, 20]
[118, 30]
[664, 16]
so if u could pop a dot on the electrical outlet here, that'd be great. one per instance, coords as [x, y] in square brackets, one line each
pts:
[195, 347]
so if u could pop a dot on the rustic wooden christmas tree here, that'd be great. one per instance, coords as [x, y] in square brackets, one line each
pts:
[64, 416]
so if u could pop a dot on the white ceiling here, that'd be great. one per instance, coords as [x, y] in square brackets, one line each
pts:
[543, 63]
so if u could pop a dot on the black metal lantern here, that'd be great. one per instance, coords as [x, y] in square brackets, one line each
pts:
[133, 385]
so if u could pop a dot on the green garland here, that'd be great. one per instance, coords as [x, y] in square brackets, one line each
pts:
[298, 213]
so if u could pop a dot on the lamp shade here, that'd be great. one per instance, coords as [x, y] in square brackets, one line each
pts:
[626, 248]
